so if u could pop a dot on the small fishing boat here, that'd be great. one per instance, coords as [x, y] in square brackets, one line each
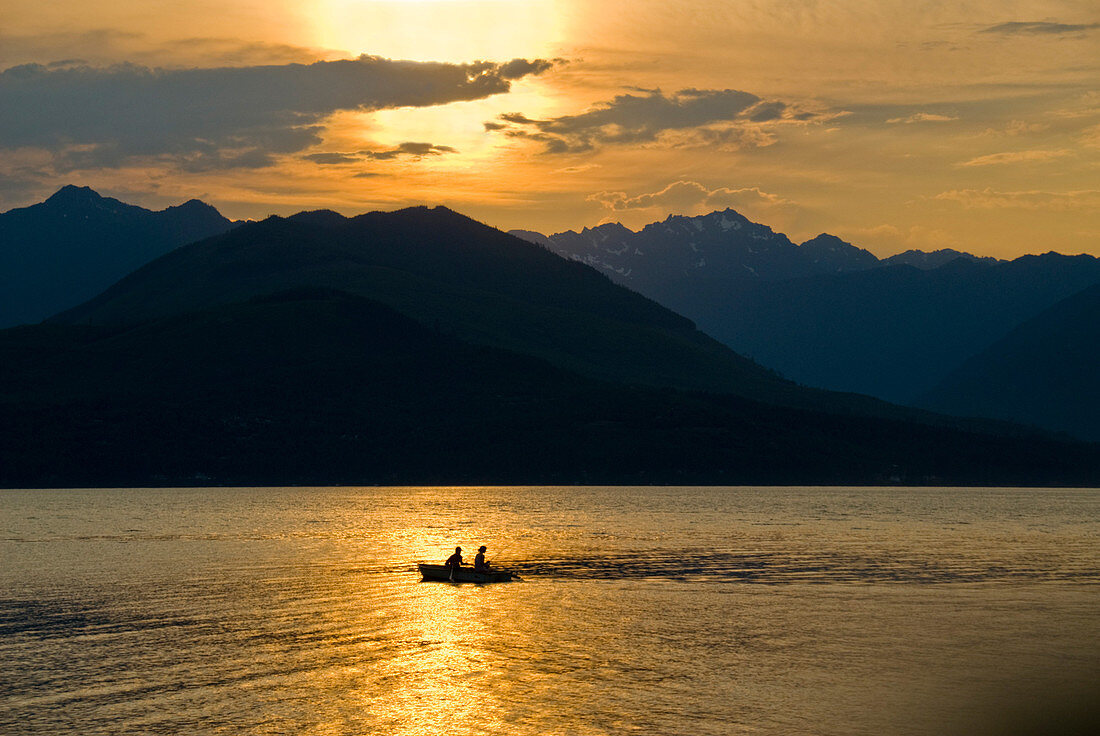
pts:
[463, 574]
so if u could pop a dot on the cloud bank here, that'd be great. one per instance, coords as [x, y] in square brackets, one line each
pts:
[408, 149]
[714, 117]
[220, 117]
[1039, 28]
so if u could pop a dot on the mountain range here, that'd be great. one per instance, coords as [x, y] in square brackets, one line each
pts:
[469, 281]
[421, 346]
[61, 252]
[827, 313]
[714, 251]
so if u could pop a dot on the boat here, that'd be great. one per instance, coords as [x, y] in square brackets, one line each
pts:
[463, 574]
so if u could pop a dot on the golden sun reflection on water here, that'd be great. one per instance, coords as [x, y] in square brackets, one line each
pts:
[440, 661]
[444, 620]
[443, 676]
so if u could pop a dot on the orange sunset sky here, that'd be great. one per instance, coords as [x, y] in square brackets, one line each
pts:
[894, 124]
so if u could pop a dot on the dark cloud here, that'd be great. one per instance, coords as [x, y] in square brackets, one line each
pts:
[328, 159]
[518, 117]
[766, 111]
[409, 149]
[517, 68]
[220, 117]
[1039, 28]
[643, 118]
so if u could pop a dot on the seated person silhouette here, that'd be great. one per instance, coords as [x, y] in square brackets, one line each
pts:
[480, 563]
[454, 561]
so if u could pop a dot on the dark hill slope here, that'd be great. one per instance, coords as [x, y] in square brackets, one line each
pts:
[61, 252]
[449, 272]
[325, 387]
[895, 331]
[1046, 372]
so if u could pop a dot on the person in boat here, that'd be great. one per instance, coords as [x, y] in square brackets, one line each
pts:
[455, 561]
[480, 563]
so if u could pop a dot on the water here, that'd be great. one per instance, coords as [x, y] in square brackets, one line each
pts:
[642, 610]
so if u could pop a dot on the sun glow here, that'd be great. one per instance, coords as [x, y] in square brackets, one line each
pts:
[456, 31]
[441, 30]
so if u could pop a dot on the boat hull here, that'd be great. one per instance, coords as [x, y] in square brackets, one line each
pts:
[463, 574]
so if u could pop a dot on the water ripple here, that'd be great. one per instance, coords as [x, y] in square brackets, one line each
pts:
[779, 568]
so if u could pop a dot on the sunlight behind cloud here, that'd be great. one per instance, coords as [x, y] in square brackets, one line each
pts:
[461, 125]
[440, 30]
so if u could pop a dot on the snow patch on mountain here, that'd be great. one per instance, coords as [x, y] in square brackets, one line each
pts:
[727, 224]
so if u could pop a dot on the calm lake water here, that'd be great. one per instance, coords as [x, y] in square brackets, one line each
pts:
[641, 610]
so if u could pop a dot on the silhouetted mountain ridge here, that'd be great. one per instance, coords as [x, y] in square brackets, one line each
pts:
[61, 252]
[687, 263]
[934, 259]
[723, 245]
[832, 254]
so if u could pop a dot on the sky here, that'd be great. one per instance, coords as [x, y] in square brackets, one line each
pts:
[894, 124]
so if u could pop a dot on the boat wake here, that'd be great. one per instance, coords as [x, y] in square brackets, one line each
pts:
[776, 568]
